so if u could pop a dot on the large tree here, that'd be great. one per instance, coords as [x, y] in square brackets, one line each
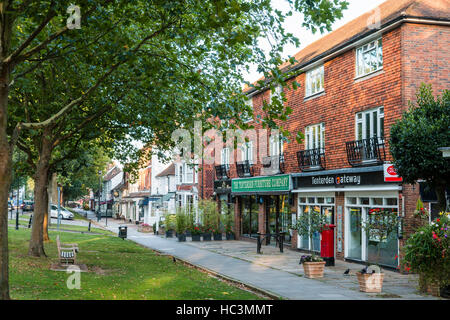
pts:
[181, 55]
[417, 137]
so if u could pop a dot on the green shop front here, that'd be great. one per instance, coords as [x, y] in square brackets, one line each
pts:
[263, 204]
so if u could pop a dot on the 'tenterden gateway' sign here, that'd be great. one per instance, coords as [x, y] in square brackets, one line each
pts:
[262, 184]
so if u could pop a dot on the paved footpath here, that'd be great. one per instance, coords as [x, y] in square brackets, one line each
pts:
[278, 282]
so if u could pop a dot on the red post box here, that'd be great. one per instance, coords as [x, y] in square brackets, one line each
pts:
[327, 244]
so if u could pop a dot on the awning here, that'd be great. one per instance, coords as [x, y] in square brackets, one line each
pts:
[143, 202]
[167, 197]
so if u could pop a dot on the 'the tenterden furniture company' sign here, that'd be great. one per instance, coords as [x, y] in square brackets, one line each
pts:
[262, 184]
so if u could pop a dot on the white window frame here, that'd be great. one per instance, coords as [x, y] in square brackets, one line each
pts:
[225, 156]
[247, 151]
[360, 118]
[189, 173]
[315, 136]
[361, 64]
[315, 81]
[249, 103]
[276, 145]
[364, 215]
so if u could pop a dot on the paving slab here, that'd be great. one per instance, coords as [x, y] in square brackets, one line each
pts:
[274, 272]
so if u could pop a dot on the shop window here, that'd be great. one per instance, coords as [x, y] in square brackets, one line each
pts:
[302, 200]
[249, 213]
[329, 200]
[351, 200]
[365, 201]
[369, 58]
[377, 201]
[390, 201]
[316, 206]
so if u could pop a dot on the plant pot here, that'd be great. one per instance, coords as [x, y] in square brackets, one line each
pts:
[370, 282]
[207, 237]
[188, 234]
[230, 236]
[196, 237]
[169, 234]
[314, 269]
[217, 236]
[181, 237]
[145, 229]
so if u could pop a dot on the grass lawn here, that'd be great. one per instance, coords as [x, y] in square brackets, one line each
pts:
[118, 269]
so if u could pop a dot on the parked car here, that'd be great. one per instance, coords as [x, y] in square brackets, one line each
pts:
[65, 214]
[28, 205]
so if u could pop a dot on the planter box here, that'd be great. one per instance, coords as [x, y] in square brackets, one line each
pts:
[145, 229]
[370, 282]
[230, 236]
[196, 237]
[207, 237]
[218, 237]
[314, 269]
[169, 234]
[181, 237]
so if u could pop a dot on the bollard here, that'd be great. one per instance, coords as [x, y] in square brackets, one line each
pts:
[258, 244]
[29, 222]
[89, 227]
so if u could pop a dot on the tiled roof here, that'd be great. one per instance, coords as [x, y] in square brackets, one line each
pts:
[389, 11]
[112, 173]
[169, 171]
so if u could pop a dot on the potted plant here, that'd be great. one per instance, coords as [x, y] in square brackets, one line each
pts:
[313, 266]
[426, 252]
[217, 234]
[229, 220]
[196, 233]
[154, 229]
[181, 225]
[380, 224]
[144, 227]
[169, 224]
[206, 234]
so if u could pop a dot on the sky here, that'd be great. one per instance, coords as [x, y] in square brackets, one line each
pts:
[293, 25]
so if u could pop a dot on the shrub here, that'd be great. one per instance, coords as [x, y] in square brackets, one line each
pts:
[180, 221]
[427, 252]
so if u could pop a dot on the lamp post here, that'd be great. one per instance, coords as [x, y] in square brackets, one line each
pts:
[18, 192]
[99, 190]
[59, 205]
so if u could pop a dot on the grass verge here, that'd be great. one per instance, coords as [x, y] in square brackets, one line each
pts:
[118, 269]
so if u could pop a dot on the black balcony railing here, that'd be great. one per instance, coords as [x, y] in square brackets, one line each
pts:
[312, 159]
[222, 172]
[366, 152]
[276, 163]
[244, 169]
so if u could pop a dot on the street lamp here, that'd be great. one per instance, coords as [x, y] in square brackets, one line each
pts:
[99, 190]
[17, 208]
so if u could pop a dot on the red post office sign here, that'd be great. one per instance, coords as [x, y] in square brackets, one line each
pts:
[390, 175]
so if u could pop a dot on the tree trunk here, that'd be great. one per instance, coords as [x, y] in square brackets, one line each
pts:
[36, 247]
[46, 217]
[5, 173]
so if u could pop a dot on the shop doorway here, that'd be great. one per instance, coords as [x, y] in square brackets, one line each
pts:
[249, 216]
[278, 216]
[361, 246]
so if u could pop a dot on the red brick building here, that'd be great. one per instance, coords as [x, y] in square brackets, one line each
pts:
[355, 83]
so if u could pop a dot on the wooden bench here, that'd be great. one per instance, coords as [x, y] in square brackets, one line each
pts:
[67, 252]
